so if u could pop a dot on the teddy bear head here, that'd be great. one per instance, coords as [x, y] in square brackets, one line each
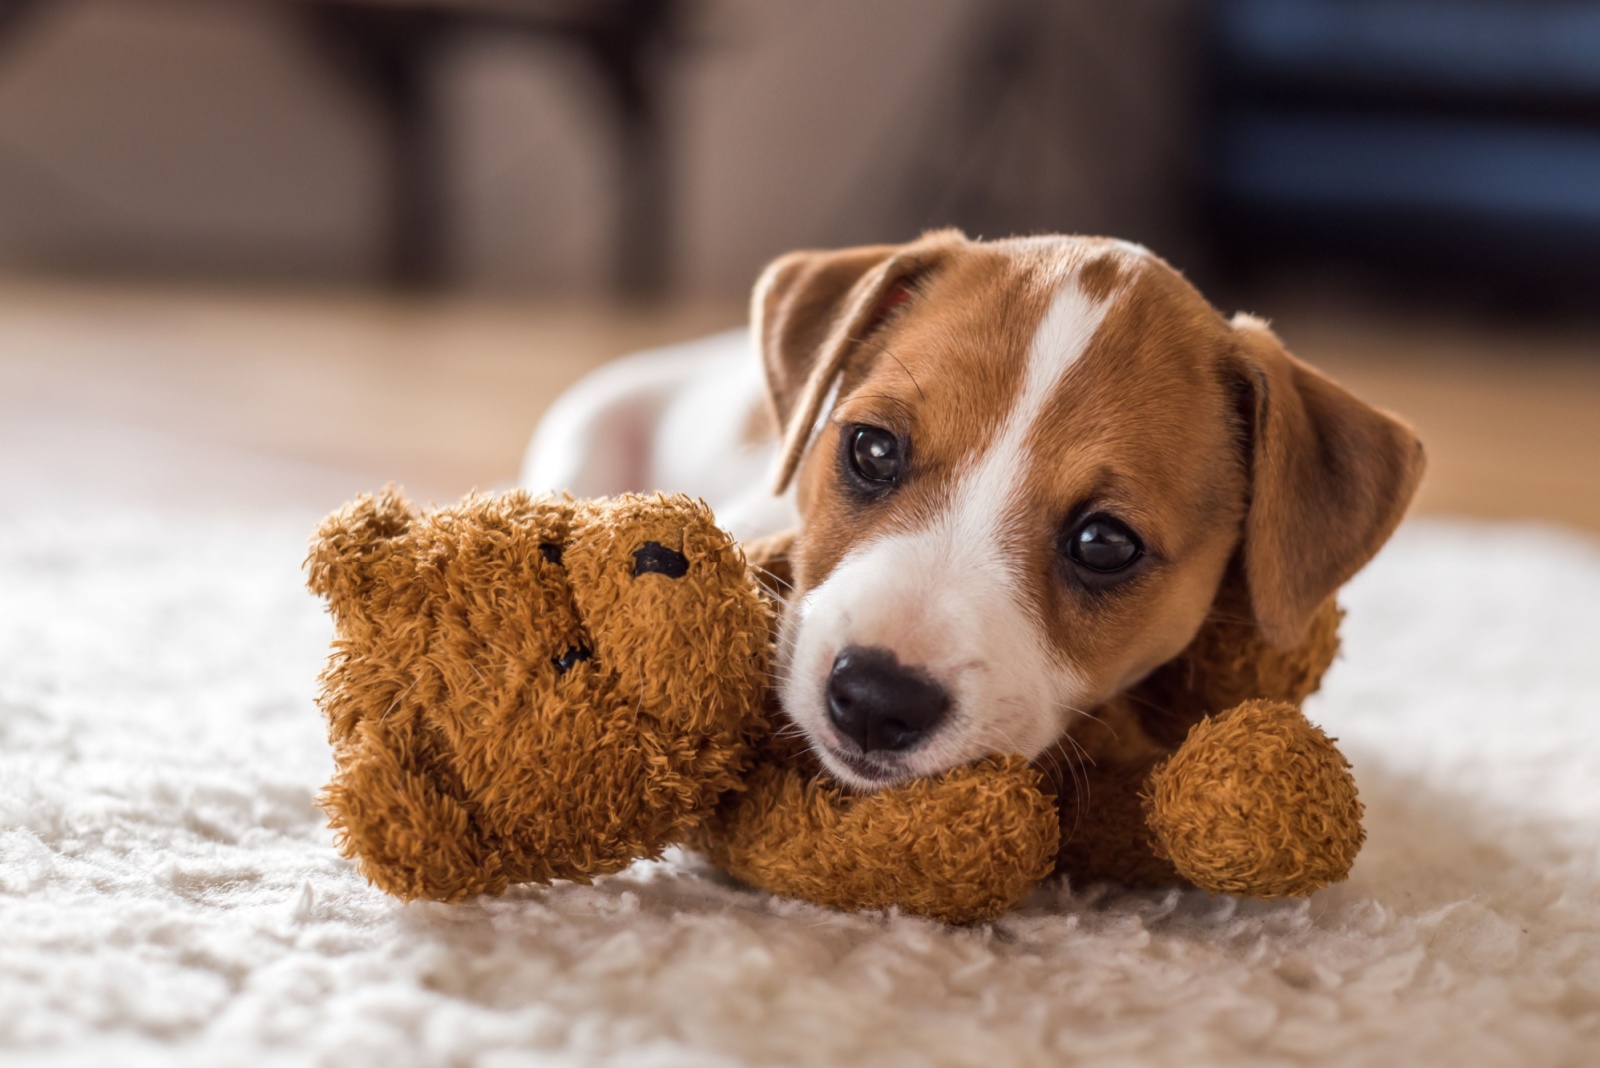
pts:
[523, 689]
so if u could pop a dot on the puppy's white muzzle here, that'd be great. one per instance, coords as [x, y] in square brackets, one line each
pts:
[944, 613]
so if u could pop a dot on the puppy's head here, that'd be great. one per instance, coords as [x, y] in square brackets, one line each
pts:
[1023, 467]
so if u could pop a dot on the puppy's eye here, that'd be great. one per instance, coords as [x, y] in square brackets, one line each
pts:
[875, 454]
[1103, 545]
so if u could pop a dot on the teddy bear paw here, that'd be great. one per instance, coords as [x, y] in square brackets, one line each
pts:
[1257, 802]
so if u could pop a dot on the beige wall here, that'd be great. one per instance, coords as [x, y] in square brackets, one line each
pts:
[826, 122]
[194, 137]
[206, 138]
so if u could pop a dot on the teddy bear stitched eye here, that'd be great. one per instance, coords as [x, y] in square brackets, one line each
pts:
[875, 454]
[569, 659]
[653, 558]
[1103, 545]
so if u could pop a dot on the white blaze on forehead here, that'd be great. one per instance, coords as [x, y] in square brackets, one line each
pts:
[989, 491]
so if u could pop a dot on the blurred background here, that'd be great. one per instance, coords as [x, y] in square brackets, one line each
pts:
[280, 251]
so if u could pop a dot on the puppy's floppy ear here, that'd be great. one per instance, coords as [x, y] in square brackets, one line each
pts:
[1331, 478]
[810, 310]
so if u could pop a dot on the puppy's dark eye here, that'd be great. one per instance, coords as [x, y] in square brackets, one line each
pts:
[1103, 545]
[875, 454]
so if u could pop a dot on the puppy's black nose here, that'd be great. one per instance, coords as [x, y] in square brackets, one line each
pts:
[880, 704]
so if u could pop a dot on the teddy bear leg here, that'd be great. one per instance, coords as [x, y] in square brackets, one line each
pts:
[1256, 801]
[408, 836]
[961, 848]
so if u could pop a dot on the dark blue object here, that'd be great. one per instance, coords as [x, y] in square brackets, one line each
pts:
[1451, 139]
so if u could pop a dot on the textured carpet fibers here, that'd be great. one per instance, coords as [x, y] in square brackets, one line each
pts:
[168, 893]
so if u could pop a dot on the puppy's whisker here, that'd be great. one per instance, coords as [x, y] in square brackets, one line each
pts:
[1215, 616]
[775, 579]
[881, 347]
[1080, 777]
[1089, 716]
[1060, 769]
[1140, 699]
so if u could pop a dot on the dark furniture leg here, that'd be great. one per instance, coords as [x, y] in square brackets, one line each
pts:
[623, 58]
[390, 52]
[391, 55]
[14, 18]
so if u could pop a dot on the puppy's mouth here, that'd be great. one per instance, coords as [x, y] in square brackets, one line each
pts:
[868, 772]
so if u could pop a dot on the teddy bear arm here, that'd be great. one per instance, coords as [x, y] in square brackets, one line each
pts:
[961, 848]
[407, 833]
[1256, 801]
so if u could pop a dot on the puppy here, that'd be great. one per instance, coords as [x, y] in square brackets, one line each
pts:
[1018, 472]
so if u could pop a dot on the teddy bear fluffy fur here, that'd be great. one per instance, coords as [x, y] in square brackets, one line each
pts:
[524, 689]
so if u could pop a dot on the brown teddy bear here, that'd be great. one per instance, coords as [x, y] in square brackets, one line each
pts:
[525, 690]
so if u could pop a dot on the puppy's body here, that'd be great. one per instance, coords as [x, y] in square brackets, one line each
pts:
[691, 418]
[1020, 470]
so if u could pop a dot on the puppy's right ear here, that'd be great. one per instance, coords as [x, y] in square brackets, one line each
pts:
[1331, 478]
[810, 311]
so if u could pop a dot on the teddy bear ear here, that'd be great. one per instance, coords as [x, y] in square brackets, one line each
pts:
[351, 541]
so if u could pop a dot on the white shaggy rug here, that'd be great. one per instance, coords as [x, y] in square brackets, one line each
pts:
[169, 895]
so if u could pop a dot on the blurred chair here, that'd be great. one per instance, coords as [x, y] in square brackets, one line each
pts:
[388, 49]
[1455, 141]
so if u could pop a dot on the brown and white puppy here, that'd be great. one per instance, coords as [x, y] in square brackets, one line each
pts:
[1021, 469]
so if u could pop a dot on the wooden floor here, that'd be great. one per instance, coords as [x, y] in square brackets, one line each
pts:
[195, 397]
[191, 397]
